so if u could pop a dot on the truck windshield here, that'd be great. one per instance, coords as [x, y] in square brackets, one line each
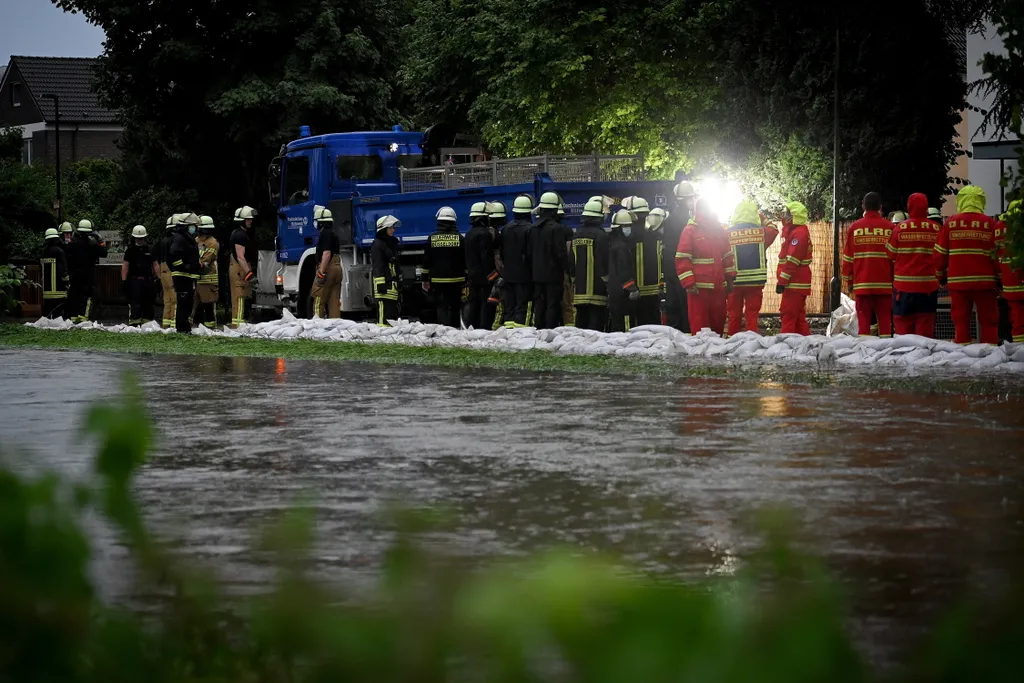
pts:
[361, 168]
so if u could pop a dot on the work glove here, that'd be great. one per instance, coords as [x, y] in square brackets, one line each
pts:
[634, 295]
[779, 289]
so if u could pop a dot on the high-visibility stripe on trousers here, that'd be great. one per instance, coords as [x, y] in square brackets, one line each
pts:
[241, 295]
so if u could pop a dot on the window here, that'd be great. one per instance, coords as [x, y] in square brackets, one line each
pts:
[26, 151]
[360, 168]
[411, 160]
[15, 94]
[296, 180]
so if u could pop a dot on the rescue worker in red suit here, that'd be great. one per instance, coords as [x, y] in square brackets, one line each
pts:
[965, 258]
[748, 241]
[705, 269]
[867, 270]
[1012, 278]
[915, 296]
[794, 271]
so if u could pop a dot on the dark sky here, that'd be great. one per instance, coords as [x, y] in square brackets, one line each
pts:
[38, 28]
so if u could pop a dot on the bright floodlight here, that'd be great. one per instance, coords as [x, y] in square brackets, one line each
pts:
[722, 195]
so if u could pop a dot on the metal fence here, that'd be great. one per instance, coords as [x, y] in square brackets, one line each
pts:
[519, 171]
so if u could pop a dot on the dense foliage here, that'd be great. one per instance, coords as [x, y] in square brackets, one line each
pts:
[557, 617]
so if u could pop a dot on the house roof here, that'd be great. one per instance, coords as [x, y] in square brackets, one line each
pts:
[70, 79]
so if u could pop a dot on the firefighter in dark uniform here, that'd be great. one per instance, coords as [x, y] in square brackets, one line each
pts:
[494, 313]
[550, 263]
[677, 313]
[444, 267]
[623, 292]
[326, 290]
[515, 259]
[166, 283]
[242, 273]
[386, 270]
[208, 287]
[648, 251]
[481, 270]
[54, 265]
[590, 251]
[139, 270]
[84, 252]
[183, 259]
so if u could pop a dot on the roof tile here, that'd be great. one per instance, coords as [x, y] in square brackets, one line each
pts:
[71, 79]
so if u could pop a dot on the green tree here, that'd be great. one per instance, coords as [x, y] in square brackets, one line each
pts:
[209, 92]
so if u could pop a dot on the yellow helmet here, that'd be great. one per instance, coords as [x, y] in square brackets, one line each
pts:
[684, 189]
[594, 208]
[636, 205]
[549, 200]
[84, 225]
[206, 222]
[51, 233]
[478, 210]
[496, 209]
[66, 227]
[322, 214]
[522, 204]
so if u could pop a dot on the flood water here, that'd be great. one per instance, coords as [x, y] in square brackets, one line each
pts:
[911, 499]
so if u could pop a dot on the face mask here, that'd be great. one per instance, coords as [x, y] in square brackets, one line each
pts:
[627, 231]
[191, 229]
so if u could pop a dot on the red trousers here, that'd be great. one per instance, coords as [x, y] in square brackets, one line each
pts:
[793, 311]
[707, 309]
[880, 305]
[1017, 320]
[744, 309]
[922, 324]
[962, 302]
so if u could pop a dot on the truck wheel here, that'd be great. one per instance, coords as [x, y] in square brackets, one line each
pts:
[305, 304]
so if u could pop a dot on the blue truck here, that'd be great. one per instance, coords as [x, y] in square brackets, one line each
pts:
[361, 176]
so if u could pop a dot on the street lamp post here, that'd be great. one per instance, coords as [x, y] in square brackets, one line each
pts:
[836, 281]
[56, 122]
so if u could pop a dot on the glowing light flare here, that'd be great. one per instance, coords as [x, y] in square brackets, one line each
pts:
[722, 195]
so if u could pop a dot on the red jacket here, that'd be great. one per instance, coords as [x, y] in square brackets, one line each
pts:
[911, 248]
[865, 259]
[965, 253]
[1013, 279]
[703, 257]
[795, 258]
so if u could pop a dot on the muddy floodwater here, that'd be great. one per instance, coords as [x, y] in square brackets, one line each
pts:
[913, 500]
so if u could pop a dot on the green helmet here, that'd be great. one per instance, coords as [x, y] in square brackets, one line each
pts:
[522, 204]
[549, 200]
[636, 205]
[51, 233]
[496, 209]
[622, 218]
[594, 208]
[478, 210]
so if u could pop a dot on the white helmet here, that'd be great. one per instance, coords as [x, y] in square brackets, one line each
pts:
[594, 208]
[656, 218]
[934, 213]
[522, 204]
[684, 189]
[636, 205]
[446, 214]
[622, 218]
[51, 233]
[322, 214]
[478, 210]
[84, 225]
[139, 231]
[549, 200]
[898, 217]
[385, 222]
[245, 213]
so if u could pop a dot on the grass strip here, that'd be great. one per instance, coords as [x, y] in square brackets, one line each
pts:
[20, 336]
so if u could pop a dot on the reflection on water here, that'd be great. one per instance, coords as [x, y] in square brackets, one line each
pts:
[910, 498]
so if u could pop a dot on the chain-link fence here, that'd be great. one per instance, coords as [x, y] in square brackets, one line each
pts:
[499, 172]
